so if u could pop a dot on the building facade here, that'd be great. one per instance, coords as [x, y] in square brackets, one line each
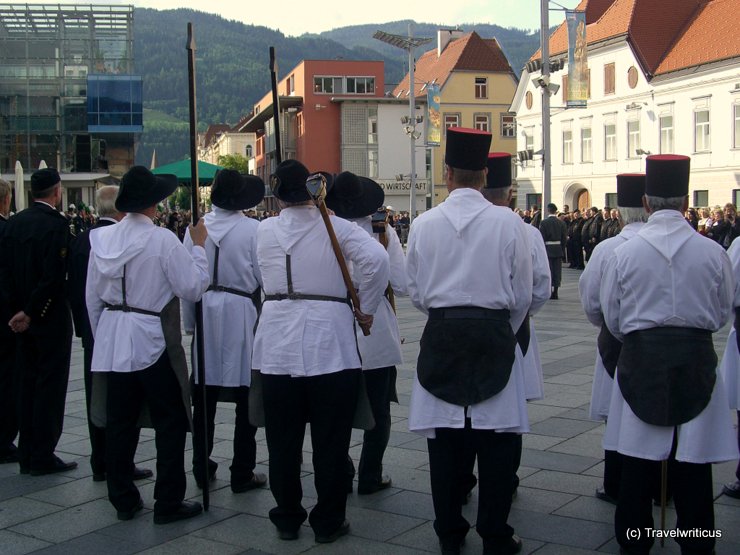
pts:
[68, 93]
[657, 85]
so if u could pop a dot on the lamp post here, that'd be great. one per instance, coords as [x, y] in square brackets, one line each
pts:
[408, 43]
[545, 49]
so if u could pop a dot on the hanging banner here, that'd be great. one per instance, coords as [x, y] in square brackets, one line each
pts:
[434, 116]
[577, 62]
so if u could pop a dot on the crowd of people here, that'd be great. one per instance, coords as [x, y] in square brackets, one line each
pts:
[298, 327]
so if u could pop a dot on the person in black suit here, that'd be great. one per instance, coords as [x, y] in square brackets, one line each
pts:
[105, 199]
[555, 234]
[8, 419]
[32, 279]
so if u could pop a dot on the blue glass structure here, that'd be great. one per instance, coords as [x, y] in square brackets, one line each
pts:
[114, 104]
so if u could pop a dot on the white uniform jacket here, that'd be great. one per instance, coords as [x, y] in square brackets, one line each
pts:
[158, 268]
[468, 252]
[730, 367]
[382, 347]
[531, 364]
[310, 337]
[669, 275]
[229, 319]
[589, 286]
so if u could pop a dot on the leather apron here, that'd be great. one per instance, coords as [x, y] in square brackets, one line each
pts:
[523, 336]
[609, 349]
[667, 374]
[466, 354]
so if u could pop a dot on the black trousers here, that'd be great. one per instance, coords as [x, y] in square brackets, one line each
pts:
[97, 435]
[496, 453]
[43, 375]
[158, 388]
[692, 497]
[8, 391]
[612, 473]
[380, 384]
[556, 270]
[328, 403]
[245, 446]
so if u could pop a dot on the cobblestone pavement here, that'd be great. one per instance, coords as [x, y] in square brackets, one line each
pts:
[555, 511]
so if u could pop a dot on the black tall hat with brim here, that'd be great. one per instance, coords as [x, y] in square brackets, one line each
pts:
[354, 196]
[467, 149]
[499, 170]
[667, 175]
[44, 179]
[630, 190]
[288, 183]
[141, 189]
[234, 191]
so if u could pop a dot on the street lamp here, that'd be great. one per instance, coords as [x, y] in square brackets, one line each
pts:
[408, 43]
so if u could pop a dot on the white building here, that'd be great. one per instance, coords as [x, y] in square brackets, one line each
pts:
[664, 78]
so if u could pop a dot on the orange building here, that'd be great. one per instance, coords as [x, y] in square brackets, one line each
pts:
[310, 123]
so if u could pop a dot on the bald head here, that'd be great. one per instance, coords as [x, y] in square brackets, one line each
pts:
[105, 200]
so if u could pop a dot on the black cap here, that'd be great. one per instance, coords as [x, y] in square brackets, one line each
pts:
[44, 179]
[234, 191]
[499, 170]
[141, 189]
[467, 149]
[288, 183]
[630, 190]
[667, 175]
[353, 196]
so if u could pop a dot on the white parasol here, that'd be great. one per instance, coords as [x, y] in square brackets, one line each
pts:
[20, 190]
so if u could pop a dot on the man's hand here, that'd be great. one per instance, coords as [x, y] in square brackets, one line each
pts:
[365, 320]
[199, 233]
[20, 322]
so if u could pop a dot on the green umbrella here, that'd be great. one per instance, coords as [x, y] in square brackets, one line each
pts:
[206, 171]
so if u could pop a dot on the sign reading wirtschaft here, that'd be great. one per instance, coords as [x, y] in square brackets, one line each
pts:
[394, 186]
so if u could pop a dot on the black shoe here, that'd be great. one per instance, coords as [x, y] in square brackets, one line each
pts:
[343, 530]
[510, 547]
[288, 535]
[450, 548]
[601, 494]
[554, 296]
[128, 515]
[258, 480]
[367, 489]
[58, 465]
[187, 509]
[732, 490]
[23, 469]
[10, 455]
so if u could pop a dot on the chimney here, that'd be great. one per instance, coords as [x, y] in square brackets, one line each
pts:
[445, 37]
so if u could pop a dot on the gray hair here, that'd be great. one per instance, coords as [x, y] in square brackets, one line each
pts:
[105, 201]
[632, 214]
[4, 189]
[497, 195]
[670, 203]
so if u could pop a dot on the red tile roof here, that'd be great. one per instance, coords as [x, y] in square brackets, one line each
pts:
[469, 52]
[666, 35]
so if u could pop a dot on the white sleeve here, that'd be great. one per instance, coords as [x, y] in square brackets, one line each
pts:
[726, 291]
[610, 294]
[541, 274]
[186, 271]
[589, 286]
[412, 269]
[95, 304]
[521, 276]
[397, 260]
[734, 253]
[187, 306]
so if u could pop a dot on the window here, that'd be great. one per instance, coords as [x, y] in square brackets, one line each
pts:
[736, 137]
[633, 138]
[568, 147]
[248, 151]
[372, 163]
[372, 126]
[609, 78]
[529, 145]
[452, 120]
[610, 200]
[533, 199]
[481, 87]
[586, 149]
[508, 125]
[736, 197]
[482, 122]
[701, 131]
[610, 141]
[666, 134]
[701, 198]
[328, 85]
[360, 85]
[428, 164]
[290, 85]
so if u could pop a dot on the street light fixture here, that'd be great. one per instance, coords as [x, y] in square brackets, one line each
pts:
[408, 43]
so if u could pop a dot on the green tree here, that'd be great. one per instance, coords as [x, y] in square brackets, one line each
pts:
[234, 162]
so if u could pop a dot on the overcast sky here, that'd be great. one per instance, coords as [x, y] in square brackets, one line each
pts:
[295, 17]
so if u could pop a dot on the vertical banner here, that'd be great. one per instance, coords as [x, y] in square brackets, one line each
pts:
[577, 62]
[434, 116]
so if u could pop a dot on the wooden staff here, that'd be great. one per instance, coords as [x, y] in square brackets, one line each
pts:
[384, 241]
[317, 193]
[194, 183]
[275, 105]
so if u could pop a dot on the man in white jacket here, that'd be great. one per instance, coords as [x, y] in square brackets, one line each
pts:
[306, 352]
[136, 273]
[358, 199]
[470, 269]
[229, 320]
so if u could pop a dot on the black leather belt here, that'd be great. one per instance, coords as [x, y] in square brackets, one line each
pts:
[127, 308]
[238, 292]
[305, 296]
[469, 313]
